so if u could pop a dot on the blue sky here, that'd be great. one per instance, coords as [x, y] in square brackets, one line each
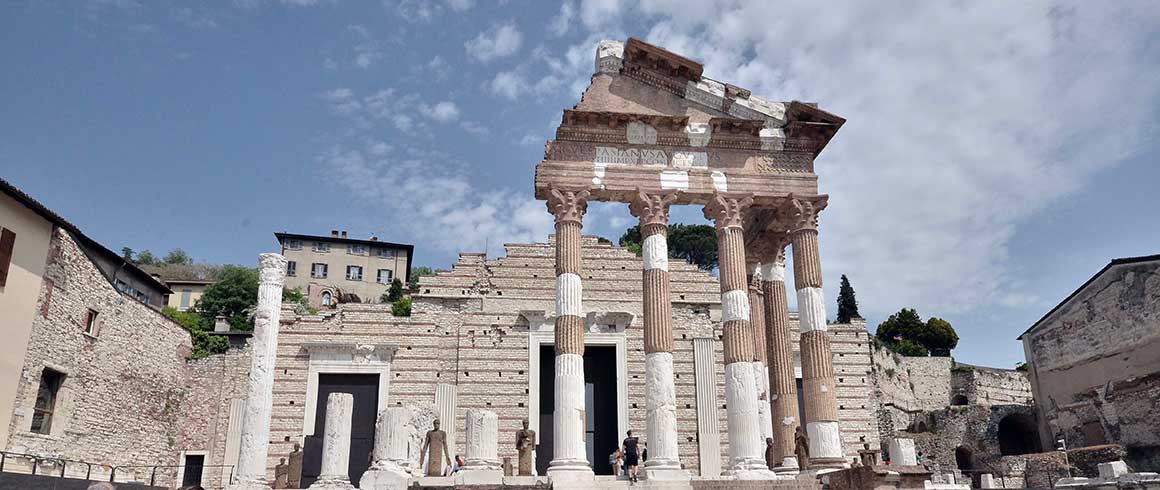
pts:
[996, 154]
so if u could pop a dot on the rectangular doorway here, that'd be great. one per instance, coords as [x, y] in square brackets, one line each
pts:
[365, 388]
[192, 471]
[601, 416]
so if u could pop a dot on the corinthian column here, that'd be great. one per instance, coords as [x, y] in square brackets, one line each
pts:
[746, 454]
[570, 460]
[661, 395]
[779, 352]
[757, 323]
[255, 443]
[818, 386]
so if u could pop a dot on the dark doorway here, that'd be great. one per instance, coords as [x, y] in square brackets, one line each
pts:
[959, 400]
[194, 464]
[600, 399]
[963, 459]
[365, 388]
[1017, 435]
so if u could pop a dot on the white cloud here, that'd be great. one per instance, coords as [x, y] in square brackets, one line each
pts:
[460, 5]
[498, 42]
[342, 101]
[474, 128]
[443, 112]
[507, 84]
[963, 121]
[369, 50]
[562, 22]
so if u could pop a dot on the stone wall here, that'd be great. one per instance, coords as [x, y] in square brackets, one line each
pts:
[120, 402]
[1094, 366]
[985, 386]
[216, 391]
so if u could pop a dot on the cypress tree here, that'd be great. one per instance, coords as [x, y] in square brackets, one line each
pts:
[847, 304]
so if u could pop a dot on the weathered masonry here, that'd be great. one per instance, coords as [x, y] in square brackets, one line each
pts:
[653, 132]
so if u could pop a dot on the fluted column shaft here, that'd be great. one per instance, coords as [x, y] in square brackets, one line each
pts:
[746, 453]
[255, 443]
[336, 442]
[779, 352]
[660, 389]
[568, 451]
[819, 388]
[757, 323]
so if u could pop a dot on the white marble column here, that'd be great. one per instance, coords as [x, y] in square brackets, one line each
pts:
[708, 433]
[446, 401]
[746, 451]
[335, 472]
[255, 444]
[481, 440]
[660, 391]
[392, 436]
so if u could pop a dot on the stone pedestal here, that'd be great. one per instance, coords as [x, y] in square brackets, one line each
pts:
[987, 481]
[255, 444]
[392, 436]
[335, 472]
[569, 455]
[902, 453]
[481, 465]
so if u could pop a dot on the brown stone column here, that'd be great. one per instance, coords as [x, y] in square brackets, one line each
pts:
[661, 398]
[757, 323]
[779, 352]
[569, 453]
[746, 454]
[819, 388]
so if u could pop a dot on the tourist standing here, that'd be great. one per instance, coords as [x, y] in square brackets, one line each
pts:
[631, 456]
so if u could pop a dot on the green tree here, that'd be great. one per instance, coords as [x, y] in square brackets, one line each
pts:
[127, 254]
[147, 258]
[939, 336]
[847, 304]
[416, 273]
[177, 256]
[204, 343]
[910, 348]
[904, 325]
[394, 293]
[234, 296]
[696, 244]
[401, 307]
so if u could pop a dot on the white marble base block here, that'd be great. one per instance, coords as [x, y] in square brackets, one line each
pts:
[335, 472]
[661, 421]
[901, 452]
[392, 435]
[570, 460]
[746, 451]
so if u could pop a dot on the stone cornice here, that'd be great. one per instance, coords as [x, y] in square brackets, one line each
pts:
[659, 67]
[381, 352]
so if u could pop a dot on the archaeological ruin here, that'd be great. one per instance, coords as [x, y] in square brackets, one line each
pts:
[582, 341]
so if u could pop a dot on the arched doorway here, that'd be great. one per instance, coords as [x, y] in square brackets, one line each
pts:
[958, 400]
[963, 459]
[1017, 435]
[326, 298]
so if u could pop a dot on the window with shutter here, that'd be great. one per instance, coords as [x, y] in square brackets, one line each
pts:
[7, 243]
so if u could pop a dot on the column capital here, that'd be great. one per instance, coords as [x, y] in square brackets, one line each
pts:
[755, 280]
[801, 213]
[652, 208]
[727, 210]
[568, 205]
[768, 245]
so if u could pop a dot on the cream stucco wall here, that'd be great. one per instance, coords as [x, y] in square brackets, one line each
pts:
[337, 259]
[179, 288]
[18, 298]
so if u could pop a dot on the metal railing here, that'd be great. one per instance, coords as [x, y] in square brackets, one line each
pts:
[36, 461]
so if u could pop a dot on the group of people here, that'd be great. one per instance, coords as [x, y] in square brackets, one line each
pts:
[628, 457]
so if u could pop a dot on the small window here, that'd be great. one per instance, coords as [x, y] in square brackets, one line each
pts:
[321, 247]
[291, 268]
[91, 322]
[46, 395]
[386, 253]
[385, 276]
[326, 298]
[141, 296]
[355, 249]
[353, 273]
[318, 271]
[7, 243]
[186, 294]
[293, 244]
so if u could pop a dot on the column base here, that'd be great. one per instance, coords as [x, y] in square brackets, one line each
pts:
[331, 484]
[835, 463]
[384, 479]
[749, 470]
[663, 471]
[788, 466]
[469, 476]
[570, 470]
[249, 485]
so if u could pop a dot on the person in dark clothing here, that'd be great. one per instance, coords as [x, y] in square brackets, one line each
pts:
[631, 456]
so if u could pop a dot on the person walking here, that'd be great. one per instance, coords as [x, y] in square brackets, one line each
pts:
[631, 456]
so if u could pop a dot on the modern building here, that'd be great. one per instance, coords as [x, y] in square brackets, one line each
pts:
[186, 292]
[89, 368]
[1094, 362]
[326, 268]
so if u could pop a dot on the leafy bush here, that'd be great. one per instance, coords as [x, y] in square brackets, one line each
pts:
[401, 307]
[905, 333]
[204, 344]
